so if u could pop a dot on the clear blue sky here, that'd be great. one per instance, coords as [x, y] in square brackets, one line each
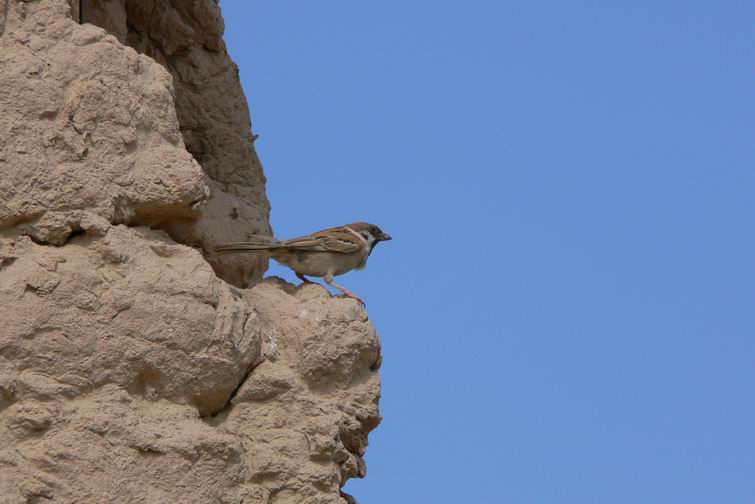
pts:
[568, 305]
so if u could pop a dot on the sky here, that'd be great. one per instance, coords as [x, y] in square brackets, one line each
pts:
[567, 307]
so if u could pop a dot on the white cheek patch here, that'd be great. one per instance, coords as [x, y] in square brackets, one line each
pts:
[364, 236]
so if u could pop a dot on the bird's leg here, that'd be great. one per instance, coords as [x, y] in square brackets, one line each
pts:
[346, 292]
[303, 278]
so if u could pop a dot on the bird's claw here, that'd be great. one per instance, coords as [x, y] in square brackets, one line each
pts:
[353, 296]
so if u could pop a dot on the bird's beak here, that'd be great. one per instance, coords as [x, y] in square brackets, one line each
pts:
[385, 237]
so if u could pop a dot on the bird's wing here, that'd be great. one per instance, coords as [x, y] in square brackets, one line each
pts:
[340, 239]
[256, 242]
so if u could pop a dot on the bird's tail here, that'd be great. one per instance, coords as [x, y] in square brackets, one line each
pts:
[255, 243]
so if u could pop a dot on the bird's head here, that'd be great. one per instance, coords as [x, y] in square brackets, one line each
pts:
[370, 232]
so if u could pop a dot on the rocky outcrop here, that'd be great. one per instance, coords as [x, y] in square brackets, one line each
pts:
[186, 38]
[133, 367]
[88, 135]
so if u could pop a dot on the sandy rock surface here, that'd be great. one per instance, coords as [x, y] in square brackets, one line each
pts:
[132, 366]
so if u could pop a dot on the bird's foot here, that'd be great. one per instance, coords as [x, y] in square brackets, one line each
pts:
[303, 278]
[351, 295]
[344, 291]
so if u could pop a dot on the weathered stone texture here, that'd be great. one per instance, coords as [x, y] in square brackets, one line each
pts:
[88, 134]
[130, 371]
[186, 38]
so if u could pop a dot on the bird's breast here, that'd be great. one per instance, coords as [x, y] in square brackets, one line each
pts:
[313, 263]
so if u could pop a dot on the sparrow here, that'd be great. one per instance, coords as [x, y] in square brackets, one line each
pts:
[327, 253]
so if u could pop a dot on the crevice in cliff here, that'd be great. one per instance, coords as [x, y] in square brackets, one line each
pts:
[215, 415]
[56, 236]
[6, 261]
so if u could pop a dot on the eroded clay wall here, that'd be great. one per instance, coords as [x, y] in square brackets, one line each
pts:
[131, 370]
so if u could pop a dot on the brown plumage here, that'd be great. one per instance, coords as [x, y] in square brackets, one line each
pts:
[327, 253]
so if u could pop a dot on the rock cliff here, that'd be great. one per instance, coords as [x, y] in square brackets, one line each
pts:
[134, 365]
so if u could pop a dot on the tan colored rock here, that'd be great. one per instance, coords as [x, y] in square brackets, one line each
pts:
[187, 39]
[132, 308]
[110, 446]
[88, 133]
[129, 370]
[118, 345]
[308, 436]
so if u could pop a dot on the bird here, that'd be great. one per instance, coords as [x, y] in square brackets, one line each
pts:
[327, 253]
